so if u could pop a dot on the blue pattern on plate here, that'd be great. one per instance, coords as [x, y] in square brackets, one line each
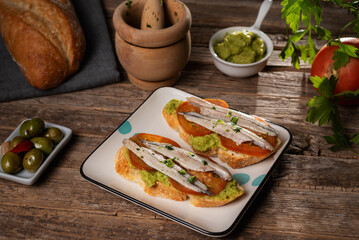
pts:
[125, 128]
[241, 178]
[258, 180]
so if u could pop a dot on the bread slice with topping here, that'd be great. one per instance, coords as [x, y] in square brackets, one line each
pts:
[159, 185]
[234, 159]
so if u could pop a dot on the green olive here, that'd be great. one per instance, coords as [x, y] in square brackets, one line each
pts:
[33, 160]
[32, 128]
[42, 143]
[54, 134]
[16, 140]
[11, 162]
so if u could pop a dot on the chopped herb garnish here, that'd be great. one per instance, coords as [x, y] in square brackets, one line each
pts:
[149, 26]
[234, 120]
[141, 156]
[169, 147]
[229, 114]
[214, 107]
[191, 154]
[204, 162]
[191, 179]
[137, 149]
[227, 130]
[237, 129]
[216, 123]
[128, 4]
[182, 172]
[169, 163]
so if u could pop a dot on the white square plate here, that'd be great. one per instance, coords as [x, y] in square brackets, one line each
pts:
[99, 169]
[25, 177]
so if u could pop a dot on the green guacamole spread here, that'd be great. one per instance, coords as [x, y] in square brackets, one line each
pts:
[172, 106]
[204, 143]
[240, 47]
[230, 191]
[149, 178]
[127, 154]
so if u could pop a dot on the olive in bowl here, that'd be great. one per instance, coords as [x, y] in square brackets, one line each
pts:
[33, 160]
[30, 162]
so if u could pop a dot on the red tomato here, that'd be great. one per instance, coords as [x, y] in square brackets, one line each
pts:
[348, 75]
[246, 147]
[193, 128]
[138, 162]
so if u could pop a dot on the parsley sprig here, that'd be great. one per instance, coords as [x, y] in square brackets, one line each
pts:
[323, 108]
[308, 14]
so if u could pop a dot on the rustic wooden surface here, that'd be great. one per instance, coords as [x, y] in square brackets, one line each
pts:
[313, 193]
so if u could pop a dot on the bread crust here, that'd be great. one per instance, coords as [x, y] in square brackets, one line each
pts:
[123, 168]
[158, 190]
[233, 159]
[44, 38]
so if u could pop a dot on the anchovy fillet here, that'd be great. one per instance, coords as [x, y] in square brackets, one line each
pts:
[227, 129]
[189, 160]
[158, 162]
[227, 115]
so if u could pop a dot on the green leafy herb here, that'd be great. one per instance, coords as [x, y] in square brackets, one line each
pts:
[204, 162]
[128, 4]
[234, 120]
[169, 147]
[323, 109]
[148, 26]
[192, 179]
[182, 172]
[237, 129]
[169, 163]
[308, 13]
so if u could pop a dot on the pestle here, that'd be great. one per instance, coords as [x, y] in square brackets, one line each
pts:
[153, 16]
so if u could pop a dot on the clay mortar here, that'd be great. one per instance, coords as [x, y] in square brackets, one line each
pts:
[152, 58]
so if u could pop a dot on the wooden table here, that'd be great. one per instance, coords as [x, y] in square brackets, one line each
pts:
[313, 194]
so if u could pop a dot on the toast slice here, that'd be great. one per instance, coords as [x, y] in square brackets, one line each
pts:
[159, 189]
[232, 158]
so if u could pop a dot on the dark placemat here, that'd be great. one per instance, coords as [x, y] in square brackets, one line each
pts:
[98, 67]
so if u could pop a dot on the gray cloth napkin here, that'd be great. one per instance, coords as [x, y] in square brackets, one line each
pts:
[98, 67]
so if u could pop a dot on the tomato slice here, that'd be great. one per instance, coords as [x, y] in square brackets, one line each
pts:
[214, 183]
[193, 128]
[182, 188]
[247, 147]
[136, 161]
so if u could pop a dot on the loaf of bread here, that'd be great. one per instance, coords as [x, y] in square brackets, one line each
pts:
[44, 37]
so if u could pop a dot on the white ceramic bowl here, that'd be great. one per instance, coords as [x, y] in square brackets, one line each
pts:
[235, 69]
